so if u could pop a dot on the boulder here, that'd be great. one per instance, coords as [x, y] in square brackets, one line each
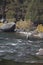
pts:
[39, 54]
[8, 27]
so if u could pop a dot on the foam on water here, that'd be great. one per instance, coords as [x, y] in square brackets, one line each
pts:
[12, 44]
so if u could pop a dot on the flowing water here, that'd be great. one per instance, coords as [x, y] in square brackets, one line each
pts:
[18, 49]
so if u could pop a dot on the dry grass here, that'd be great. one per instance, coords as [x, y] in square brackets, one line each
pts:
[1, 24]
[23, 25]
[39, 28]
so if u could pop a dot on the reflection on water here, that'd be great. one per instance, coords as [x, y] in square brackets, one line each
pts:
[10, 62]
[18, 49]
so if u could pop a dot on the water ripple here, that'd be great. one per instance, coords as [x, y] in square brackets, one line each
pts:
[19, 50]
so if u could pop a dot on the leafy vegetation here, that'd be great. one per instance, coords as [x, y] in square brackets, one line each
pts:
[22, 9]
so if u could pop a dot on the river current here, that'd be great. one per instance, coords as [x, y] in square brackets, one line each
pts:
[18, 49]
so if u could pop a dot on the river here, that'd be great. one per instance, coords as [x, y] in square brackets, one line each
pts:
[16, 49]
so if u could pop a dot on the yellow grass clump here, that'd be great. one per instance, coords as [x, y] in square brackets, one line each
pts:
[39, 28]
[1, 24]
[23, 25]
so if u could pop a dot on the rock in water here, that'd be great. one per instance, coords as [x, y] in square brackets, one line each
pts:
[40, 53]
[8, 27]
